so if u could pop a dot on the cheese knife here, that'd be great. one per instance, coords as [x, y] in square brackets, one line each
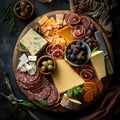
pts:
[103, 47]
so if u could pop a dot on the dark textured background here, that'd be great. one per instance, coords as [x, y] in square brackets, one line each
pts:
[8, 41]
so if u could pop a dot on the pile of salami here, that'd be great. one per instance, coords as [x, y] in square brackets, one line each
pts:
[39, 87]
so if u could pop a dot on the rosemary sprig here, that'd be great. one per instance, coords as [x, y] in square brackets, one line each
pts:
[7, 14]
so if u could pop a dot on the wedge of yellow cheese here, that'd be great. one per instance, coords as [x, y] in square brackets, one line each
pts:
[65, 32]
[65, 77]
[33, 42]
[98, 62]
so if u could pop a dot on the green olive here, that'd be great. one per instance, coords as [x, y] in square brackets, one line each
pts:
[50, 62]
[22, 14]
[50, 67]
[45, 63]
[43, 68]
[23, 4]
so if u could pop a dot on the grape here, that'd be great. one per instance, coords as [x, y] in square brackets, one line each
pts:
[83, 46]
[89, 33]
[78, 46]
[92, 27]
[72, 56]
[18, 10]
[75, 50]
[29, 7]
[69, 51]
[27, 11]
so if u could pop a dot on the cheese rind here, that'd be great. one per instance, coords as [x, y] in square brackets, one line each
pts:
[34, 42]
[65, 77]
[98, 62]
[70, 103]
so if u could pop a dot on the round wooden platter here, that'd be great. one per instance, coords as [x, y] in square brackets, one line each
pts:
[16, 55]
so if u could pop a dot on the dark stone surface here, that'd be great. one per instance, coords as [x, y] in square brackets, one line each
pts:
[8, 41]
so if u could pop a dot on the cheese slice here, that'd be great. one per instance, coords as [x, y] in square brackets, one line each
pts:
[65, 32]
[43, 20]
[65, 77]
[98, 62]
[59, 18]
[33, 41]
[70, 103]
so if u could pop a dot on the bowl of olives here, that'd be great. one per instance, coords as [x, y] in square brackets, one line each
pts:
[46, 64]
[77, 53]
[23, 9]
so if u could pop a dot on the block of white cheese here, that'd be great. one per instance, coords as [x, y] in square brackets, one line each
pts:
[33, 42]
[65, 77]
[70, 103]
[98, 62]
[59, 18]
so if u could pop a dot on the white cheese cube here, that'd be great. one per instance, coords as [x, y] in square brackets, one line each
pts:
[32, 58]
[24, 58]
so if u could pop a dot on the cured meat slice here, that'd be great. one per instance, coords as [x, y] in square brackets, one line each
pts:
[43, 94]
[89, 95]
[66, 18]
[78, 32]
[87, 74]
[57, 46]
[26, 78]
[73, 19]
[57, 53]
[29, 86]
[93, 86]
[49, 49]
[44, 82]
[53, 95]
[99, 85]
[85, 22]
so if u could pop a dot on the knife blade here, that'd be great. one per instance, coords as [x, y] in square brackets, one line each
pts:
[102, 46]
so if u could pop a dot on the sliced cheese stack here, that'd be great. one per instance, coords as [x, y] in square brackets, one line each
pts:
[33, 42]
[65, 77]
[98, 62]
[70, 103]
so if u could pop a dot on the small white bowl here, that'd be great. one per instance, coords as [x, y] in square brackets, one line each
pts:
[77, 53]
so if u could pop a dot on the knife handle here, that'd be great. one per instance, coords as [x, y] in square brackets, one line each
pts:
[109, 66]
[7, 80]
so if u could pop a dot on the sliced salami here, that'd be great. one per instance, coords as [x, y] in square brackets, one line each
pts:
[53, 95]
[85, 22]
[43, 94]
[26, 78]
[44, 82]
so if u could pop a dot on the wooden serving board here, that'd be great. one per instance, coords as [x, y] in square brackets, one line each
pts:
[16, 55]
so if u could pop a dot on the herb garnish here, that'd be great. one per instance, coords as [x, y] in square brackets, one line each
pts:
[19, 110]
[7, 14]
[75, 92]
[43, 102]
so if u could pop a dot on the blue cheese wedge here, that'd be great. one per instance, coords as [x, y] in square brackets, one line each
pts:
[33, 42]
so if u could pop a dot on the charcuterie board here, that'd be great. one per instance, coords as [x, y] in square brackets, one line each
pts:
[45, 91]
